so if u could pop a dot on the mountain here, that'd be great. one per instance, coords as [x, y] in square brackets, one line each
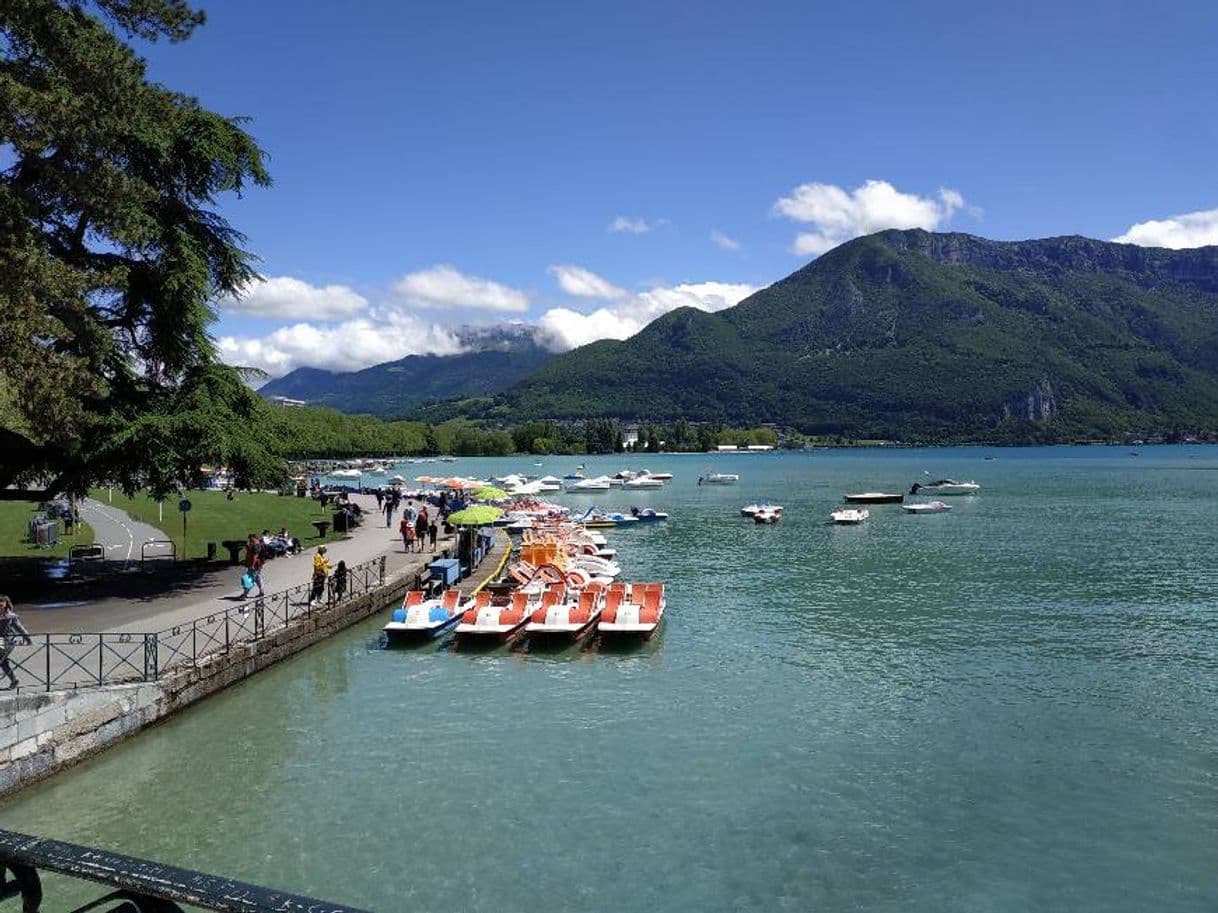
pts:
[496, 358]
[914, 335]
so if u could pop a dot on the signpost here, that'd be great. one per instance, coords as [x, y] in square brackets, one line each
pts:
[184, 507]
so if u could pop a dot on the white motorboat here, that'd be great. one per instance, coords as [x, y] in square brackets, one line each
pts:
[549, 483]
[751, 510]
[644, 481]
[925, 507]
[850, 515]
[719, 478]
[768, 515]
[600, 483]
[945, 487]
[347, 473]
[662, 476]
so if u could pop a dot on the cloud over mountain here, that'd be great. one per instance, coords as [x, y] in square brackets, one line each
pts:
[443, 286]
[837, 215]
[285, 296]
[583, 283]
[1190, 229]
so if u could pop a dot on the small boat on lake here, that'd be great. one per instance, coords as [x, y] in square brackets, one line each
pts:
[648, 515]
[875, 497]
[568, 616]
[637, 611]
[719, 478]
[926, 507]
[424, 619]
[643, 481]
[751, 510]
[767, 515]
[491, 622]
[945, 487]
[850, 516]
[584, 486]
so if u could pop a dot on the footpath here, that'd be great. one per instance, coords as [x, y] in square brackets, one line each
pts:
[149, 604]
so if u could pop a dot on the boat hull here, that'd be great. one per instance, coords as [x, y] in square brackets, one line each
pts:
[875, 497]
[398, 632]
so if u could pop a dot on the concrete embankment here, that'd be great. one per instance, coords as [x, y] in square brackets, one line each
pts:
[42, 733]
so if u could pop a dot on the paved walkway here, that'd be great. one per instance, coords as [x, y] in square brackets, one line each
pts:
[181, 599]
[116, 531]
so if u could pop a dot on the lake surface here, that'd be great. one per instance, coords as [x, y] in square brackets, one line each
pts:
[1008, 707]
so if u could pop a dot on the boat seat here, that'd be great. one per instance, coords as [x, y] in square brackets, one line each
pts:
[413, 598]
[482, 599]
[451, 599]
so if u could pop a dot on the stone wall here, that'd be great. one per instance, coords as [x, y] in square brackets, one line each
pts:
[42, 733]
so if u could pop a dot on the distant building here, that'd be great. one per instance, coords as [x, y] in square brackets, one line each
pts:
[287, 401]
[758, 448]
[630, 436]
[726, 448]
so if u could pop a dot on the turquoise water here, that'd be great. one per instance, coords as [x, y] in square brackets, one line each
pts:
[1011, 706]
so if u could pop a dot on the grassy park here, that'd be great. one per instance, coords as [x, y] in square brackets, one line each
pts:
[214, 518]
[15, 517]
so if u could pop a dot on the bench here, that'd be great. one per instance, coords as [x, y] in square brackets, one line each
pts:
[234, 547]
[321, 526]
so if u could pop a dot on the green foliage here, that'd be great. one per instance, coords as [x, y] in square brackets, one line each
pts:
[111, 252]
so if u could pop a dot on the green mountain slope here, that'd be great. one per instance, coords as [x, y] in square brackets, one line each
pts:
[917, 335]
[391, 389]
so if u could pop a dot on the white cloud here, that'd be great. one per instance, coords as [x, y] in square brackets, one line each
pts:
[564, 328]
[284, 296]
[724, 241]
[443, 286]
[636, 226]
[575, 280]
[839, 215]
[1191, 229]
[384, 335]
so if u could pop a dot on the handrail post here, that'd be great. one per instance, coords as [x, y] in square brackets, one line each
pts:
[151, 658]
[48, 658]
[194, 643]
[382, 570]
[100, 656]
[227, 644]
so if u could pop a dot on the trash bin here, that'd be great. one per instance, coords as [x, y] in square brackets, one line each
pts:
[211, 551]
[340, 521]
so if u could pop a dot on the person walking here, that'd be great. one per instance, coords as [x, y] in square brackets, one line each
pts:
[432, 531]
[321, 570]
[255, 555]
[340, 581]
[405, 528]
[420, 528]
[388, 512]
[10, 629]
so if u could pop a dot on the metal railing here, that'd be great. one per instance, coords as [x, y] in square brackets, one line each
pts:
[137, 884]
[56, 662]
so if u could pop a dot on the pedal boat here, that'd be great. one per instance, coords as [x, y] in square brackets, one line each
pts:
[634, 612]
[489, 621]
[566, 616]
[420, 618]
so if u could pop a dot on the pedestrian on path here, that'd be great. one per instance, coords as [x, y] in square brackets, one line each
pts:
[420, 528]
[340, 580]
[388, 513]
[432, 531]
[10, 629]
[405, 528]
[321, 570]
[255, 555]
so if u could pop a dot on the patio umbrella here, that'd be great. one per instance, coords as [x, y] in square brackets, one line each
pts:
[490, 493]
[478, 515]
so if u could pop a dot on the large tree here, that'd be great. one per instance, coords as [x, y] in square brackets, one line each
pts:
[110, 253]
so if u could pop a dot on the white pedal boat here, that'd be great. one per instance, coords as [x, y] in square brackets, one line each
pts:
[634, 612]
[562, 616]
[850, 515]
[495, 621]
[420, 618]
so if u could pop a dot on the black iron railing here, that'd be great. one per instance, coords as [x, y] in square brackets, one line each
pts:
[56, 662]
[137, 885]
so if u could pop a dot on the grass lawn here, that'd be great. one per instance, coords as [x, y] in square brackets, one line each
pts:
[15, 519]
[214, 518]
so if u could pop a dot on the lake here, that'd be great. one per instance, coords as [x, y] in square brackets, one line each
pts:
[1006, 707]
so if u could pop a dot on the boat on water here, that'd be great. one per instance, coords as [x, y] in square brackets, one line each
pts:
[648, 515]
[719, 478]
[420, 618]
[874, 497]
[635, 611]
[850, 516]
[662, 476]
[347, 473]
[566, 615]
[767, 515]
[925, 507]
[644, 481]
[751, 510]
[945, 487]
[600, 483]
[600, 520]
[495, 622]
[549, 483]
[576, 475]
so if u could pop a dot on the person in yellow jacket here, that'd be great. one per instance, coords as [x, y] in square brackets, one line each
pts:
[321, 570]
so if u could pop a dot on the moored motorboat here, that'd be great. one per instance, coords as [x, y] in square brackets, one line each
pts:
[420, 618]
[600, 483]
[643, 481]
[945, 487]
[767, 515]
[925, 507]
[750, 510]
[874, 497]
[648, 515]
[850, 515]
[637, 611]
[719, 478]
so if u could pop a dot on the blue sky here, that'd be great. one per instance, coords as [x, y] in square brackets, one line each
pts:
[437, 164]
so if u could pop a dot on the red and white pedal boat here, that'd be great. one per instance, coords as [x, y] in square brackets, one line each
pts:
[634, 612]
[490, 621]
[566, 614]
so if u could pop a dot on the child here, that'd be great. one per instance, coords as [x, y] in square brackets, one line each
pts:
[340, 580]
